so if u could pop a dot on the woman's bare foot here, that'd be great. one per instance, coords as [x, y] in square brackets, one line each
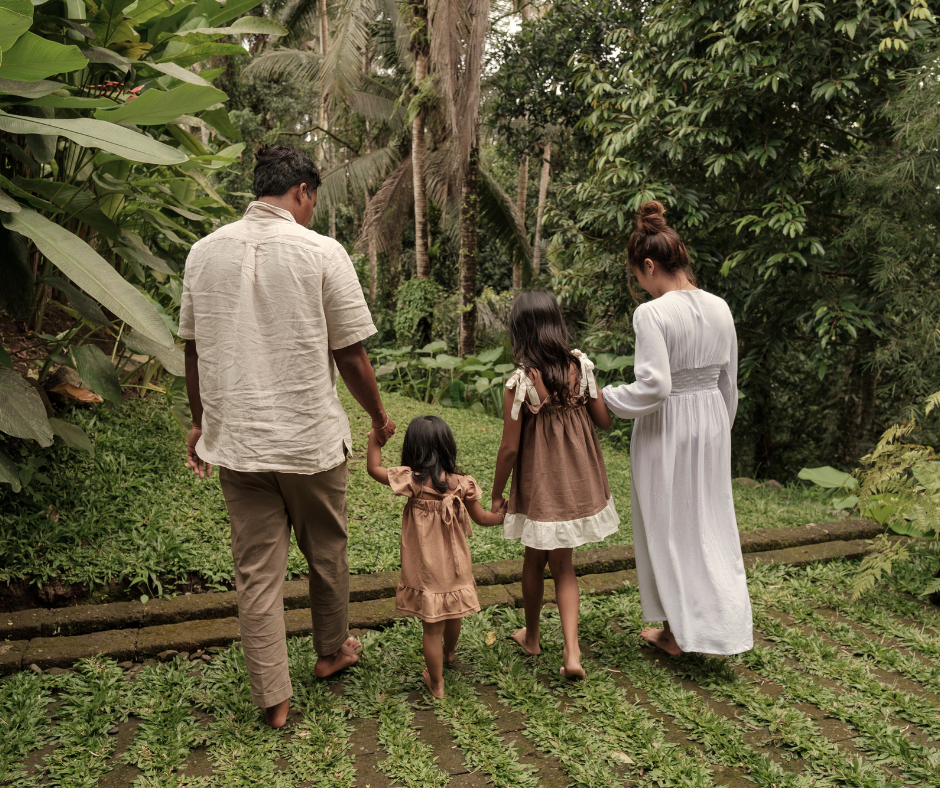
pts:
[662, 639]
[521, 637]
[276, 716]
[450, 657]
[437, 690]
[348, 654]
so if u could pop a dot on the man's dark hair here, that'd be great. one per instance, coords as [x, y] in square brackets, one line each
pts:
[279, 168]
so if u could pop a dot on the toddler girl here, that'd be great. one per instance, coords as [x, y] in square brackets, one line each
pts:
[437, 582]
[559, 497]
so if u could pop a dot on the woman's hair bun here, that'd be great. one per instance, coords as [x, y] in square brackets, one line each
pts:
[651, 218]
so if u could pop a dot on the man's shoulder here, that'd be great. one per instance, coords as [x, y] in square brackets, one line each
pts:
[311, 239]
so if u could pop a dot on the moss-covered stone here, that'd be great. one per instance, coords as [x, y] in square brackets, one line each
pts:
[188, 636]
[372, 614]
[494, 595]
[197, 607]
[779, 538]
[63, 652]
[82, 619]
[11, 655]
[24, 624]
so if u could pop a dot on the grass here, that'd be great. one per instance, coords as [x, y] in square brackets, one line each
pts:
[136, 516]
[819, 701]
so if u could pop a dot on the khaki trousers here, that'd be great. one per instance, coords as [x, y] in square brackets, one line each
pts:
[263, 507]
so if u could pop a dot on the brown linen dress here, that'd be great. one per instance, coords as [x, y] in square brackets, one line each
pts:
[436, 573]
[560, 496]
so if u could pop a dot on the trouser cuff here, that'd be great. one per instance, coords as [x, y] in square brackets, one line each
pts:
[267, 699]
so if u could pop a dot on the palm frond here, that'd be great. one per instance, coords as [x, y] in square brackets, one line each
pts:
[341, 184]
[290, 63]
[342, 67]
[386, 214]
[500, 216]
[403, 59]
[377, 102]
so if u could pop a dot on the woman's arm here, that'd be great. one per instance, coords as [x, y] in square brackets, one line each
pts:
[480, 516]
[597, 410]
[653, 376]
[508, 449]
[728, 380]
[374, 460]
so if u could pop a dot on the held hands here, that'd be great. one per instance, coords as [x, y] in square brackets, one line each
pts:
[201, 468]
[500, 506]
[383, 432]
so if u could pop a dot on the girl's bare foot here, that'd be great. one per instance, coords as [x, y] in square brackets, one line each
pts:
[572, 672]
[450, 657]
[346, 655]
[521, 637]
[437, 690]
[276, 716]
[662, 640]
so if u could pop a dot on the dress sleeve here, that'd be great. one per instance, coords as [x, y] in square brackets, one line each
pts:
[728, 379]
[401, 480]
[471, 490]
[653, 377]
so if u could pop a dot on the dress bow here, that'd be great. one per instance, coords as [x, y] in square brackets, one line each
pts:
[456, 519]
[587, 374]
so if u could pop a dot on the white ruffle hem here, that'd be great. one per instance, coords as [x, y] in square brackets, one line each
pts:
[541, 535]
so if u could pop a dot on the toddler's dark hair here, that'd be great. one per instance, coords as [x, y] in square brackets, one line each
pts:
[430, 451]
[540, 340]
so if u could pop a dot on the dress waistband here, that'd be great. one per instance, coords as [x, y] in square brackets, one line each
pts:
[694, 381]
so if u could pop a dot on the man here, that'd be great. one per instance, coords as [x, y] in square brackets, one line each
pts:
[270, 312]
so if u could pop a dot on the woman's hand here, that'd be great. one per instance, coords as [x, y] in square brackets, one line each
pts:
[500, 505]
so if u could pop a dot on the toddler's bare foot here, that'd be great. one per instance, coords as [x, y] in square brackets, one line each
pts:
[436, 688]
[276, 716]
[346, 655]
[450, 657]
[521, 637]
[662, 640]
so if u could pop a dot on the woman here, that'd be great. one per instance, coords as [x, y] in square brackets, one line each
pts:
[688, 553]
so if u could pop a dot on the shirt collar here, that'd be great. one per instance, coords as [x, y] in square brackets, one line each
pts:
[258, 209]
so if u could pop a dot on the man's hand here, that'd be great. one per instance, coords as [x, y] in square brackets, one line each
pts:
[201, 468]
[383, 433]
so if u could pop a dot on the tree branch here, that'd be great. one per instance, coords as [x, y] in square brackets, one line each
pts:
[341, 141]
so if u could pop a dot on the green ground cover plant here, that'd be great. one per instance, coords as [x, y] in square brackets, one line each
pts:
[192, 724]
[134, 515]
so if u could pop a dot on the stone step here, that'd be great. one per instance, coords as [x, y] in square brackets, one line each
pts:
[146, 639]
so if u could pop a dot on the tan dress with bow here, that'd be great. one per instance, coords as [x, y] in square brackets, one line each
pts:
[436, 573]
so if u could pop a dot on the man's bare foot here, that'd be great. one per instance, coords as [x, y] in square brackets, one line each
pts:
[520, 636]
[348, 654]
[662, 640]
[450, 657]
[276, 716]
[437, 690]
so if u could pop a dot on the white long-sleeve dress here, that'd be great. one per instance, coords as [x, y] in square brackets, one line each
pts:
[688, 552]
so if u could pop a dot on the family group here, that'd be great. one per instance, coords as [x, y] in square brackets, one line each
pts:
[273, 313]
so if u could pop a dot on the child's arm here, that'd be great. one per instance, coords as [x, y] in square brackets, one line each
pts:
[480, 516]
[374, 460]
[508, 449]
[597, 410]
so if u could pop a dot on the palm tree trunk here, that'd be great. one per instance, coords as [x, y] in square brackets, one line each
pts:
[521, 194]
[543, 194]
[418, 155]
[468, 256]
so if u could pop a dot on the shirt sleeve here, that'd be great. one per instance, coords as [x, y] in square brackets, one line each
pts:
[471, 490]
[348, 319]
[187, 328]
[401, 480]
[728, 380]
[653, 377]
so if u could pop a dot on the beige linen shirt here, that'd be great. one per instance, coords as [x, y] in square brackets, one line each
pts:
[267, 301]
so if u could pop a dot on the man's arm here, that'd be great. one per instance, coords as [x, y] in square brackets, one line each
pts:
[353, 364]
[200, 468]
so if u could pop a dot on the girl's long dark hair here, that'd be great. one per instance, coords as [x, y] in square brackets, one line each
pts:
[540, 340]
[430, 451]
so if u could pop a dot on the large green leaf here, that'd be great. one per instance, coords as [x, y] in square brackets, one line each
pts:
[231, 10]
[22, 413]
[9, 473]
[32, 58]
[42, 87]
[173, 359]
[220, 120]
[203, 52]
[16, 16]
[8, 204]
[142, 10]
[97, 134]
[79, 301]
[828, 477]
[97, 372]
[71, 102]
[156, 107]
[73, 436]
[175, 71]
[91, 272]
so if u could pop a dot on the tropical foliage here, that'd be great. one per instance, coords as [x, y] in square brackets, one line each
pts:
[109, 144]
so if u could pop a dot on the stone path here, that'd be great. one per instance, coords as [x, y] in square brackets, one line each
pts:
[834, 693]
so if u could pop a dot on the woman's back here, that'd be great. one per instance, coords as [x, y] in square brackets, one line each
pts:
[697, 328]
